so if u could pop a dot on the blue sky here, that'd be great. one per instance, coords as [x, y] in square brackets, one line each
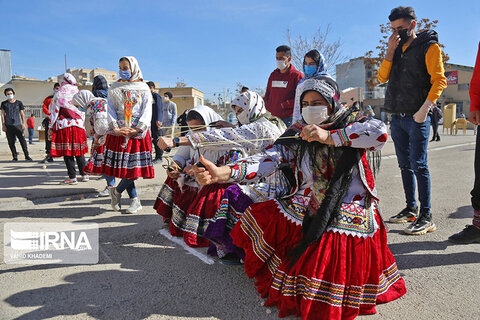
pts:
[211, 45]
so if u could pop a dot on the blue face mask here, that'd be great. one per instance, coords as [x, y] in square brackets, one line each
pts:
[309, 70]
[124, 74]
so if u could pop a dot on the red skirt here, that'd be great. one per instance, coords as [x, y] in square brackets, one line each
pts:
[200, 212]
[94, 164]
[338, 277]
[172, 204]
[70, 141]
[132, 162]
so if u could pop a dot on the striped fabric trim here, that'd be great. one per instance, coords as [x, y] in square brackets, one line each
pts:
[476, 218]
[336, 295]
[68, 146]
[292, 210]
[166, 195]
[239, 174]
[126, 160]
[343, 137]
[196, 225]
[178, 217]
[260, 247]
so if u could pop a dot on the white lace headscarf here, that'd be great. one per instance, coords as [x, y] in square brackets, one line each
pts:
[312, 84]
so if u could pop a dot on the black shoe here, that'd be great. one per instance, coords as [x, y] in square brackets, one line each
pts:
[15, 159]
[231, 259]
[422, 225]
[406, 215]
[433, 139]
[470, 234]
[49, 159]
[438, 138]
[28, 159]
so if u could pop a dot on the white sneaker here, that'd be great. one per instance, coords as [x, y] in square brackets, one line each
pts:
[104, 192]
[115, 203]
[85, 178]
[134, 206]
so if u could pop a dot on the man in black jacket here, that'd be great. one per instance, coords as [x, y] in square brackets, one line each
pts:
[414, 70]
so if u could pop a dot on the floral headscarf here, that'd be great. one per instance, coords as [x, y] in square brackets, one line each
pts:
[252, 103]
[67, 78]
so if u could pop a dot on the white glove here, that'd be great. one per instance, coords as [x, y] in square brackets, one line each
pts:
[421, 115]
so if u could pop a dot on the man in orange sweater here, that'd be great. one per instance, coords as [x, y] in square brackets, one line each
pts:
[471, 234]
[414, 69]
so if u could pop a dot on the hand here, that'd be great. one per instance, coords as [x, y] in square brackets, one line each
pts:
[132, 132]
[211, 173]
[474, 117]
[159, 124]
[121, 131]
[393, 42]
[50, 134]
[421, 115]
[164, 143]
[312, 132]
[189, 170]
[4, 128]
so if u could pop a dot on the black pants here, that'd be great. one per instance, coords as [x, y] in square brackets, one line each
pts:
[70, 163]
[48, 143]
[16, 132]
[155, 135]
[476, 184]
[435, 129]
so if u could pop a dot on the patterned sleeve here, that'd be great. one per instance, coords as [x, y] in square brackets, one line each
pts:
[54, 108]
[112, 115]
[100, 124]
[247, 137]
[370, 134]
[182, 155]
[143, 120]
[258, 166]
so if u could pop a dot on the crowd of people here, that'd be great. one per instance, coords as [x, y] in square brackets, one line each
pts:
[289, 191]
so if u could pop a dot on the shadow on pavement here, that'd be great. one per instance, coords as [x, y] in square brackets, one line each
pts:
[462, 212]
[156, 279]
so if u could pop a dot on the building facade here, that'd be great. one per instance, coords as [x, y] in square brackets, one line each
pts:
[185, 97]
[85, 76]
[5, 66]
[458, 86]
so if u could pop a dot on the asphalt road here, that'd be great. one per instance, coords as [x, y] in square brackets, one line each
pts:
[141, 274]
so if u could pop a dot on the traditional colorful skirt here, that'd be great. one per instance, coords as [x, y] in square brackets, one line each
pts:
[232, 206]
[200, 212]
[70, 141]
[132, 162]
[94, 164]
[338, 277]
[172, 204]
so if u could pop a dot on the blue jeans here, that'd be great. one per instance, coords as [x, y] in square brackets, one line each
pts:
[288, 121]
[411, 141]
[129, 185]
[31, 132]
[110, 180]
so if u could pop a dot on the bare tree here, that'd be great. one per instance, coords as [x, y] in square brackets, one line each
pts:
[331, 50]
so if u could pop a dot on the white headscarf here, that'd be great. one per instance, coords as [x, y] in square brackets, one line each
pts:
[208, 115]
[252, 103]
[135, 69]
[83, 98]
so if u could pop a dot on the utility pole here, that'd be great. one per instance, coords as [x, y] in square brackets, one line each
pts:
[65, 62]
[224, 102]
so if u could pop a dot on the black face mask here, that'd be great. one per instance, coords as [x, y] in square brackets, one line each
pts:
[404, 36]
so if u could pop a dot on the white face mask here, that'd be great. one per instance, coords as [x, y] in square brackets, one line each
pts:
[9, 96]
[166, 98]
[281, 64]
[315, 114]
[243, 117]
